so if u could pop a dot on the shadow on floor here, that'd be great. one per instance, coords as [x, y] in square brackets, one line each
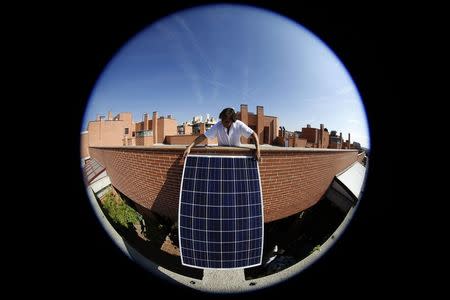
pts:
[296, 237]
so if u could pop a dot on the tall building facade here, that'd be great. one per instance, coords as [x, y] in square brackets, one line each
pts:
[266, 127]
[122, 131]
[315, 137]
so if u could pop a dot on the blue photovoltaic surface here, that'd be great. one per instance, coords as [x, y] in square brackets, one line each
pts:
[220, 212]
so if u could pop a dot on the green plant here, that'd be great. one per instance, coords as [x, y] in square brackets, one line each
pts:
[119, 211]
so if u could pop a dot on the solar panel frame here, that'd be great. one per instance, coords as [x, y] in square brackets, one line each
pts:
[207, 221]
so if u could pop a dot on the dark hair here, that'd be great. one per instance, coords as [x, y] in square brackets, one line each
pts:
[228, 113]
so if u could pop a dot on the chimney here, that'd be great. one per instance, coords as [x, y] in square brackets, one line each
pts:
[202, 128]
[97, 117]
[260, 123]
[316, 138]
[321, 136]
[349, 141]
[146, 121]
[155, 127]
[244, 113]
[273, 130]
[308, 126]
[109, 116]
[244, 119]
[169, 116]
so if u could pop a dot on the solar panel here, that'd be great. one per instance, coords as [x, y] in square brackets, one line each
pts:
[220, 214]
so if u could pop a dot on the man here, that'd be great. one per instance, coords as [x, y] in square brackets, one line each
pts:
[228, 131]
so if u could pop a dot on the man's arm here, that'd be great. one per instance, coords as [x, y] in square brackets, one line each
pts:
[257, 152]
[197, 141]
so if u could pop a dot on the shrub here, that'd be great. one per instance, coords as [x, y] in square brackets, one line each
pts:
[119, 211]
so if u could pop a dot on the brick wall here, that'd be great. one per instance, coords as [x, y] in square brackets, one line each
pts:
[84, 144]
[334, 145]
[310, 134]
[325, 139]
[108, 133]
[181, 139]
[187, 129]
[186, 139]
[166, 127]
[144, 140]
[292, 180]
[296, 142]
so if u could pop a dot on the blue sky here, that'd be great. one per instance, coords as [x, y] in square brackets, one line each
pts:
[202, 60]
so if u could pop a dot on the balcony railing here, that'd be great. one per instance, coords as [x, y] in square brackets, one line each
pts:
[144, 133]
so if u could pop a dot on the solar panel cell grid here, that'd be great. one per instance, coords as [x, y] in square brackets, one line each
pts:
[220, 213]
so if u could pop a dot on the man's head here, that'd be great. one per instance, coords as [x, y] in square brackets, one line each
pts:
[228, 117]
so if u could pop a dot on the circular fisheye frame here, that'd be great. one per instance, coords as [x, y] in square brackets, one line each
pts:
[225, 148]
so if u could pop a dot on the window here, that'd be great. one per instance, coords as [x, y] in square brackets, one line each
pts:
[196, 128]
[266, 135]
[126, 130]
[143, 133]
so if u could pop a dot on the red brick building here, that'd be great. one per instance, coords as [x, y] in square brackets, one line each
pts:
[153, 131]
[310, 137]
[185, 128]
[188, 132]
[347, 144]
[111, 131]
[315, 137]
[84, 141]
[266, 127]
[121, 130]
[335, 141]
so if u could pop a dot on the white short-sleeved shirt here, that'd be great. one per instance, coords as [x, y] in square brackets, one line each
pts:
[237, 129]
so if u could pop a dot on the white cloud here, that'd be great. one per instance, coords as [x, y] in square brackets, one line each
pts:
[194, 42]
[181, 56]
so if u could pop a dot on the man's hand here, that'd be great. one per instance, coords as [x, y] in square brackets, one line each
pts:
[187, 151]
[197, 141]
[257, 153]
[258, 156]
